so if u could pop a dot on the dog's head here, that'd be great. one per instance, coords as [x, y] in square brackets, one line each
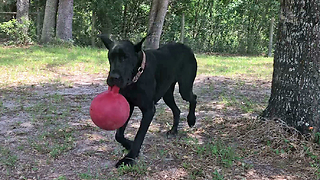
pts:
[124, 59]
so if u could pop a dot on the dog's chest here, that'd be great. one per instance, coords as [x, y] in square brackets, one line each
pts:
[139, 95]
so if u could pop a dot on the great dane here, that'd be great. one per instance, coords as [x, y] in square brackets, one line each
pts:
[144, 77]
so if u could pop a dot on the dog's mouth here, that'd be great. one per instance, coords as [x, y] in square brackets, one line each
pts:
[120, 82]
[121, 79]
[115, 82]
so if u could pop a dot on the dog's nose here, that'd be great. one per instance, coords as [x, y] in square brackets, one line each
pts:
[114, 79]
[115, 76]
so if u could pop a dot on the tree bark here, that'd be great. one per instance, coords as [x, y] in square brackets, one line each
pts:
[38, 24]
[22, 10]
[182, 28]
[295, 91]
[49, 21]
[153, 13]
[156, 19]
[23, 14]
[93, 29]
[64, 21]
[124, 21]
[270, 38]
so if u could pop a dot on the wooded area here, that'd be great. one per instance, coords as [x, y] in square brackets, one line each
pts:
[223, 26]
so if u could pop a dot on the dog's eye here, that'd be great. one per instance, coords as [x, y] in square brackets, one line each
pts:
[122, 58]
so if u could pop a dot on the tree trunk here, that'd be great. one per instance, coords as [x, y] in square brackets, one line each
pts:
[64, 22]
[23, 15]
[182, 28]
[124, 21]
[156, 19]
[49, 21]
[196, 17]
[295, 91]
[93, 29]
[153, 13]
[38, 24]
[22, 10]
[270, 38]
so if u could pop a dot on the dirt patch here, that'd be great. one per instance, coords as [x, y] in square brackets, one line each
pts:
[46, 133]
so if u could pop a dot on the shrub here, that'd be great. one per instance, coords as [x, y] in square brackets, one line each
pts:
[15, 31]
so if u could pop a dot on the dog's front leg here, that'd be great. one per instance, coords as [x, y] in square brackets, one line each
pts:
[126, 143]
[129, 159]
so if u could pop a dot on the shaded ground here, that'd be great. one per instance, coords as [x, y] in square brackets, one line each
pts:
[46, 133]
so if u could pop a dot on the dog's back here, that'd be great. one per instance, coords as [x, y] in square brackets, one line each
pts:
[173, 62]
[178, 52]
[175, 56]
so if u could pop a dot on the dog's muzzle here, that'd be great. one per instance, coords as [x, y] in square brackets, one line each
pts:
[114, 79]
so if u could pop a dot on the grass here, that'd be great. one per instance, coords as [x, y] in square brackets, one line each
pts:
[249, 67]
[209, 152]
[37, 64]
[62, 141]
[217, 175]
[7, 157]
[224, 154]
[136, 170]
[56, 137]
[54, 143]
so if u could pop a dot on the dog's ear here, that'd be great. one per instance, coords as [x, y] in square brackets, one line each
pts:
[106, 41]
[138, 46]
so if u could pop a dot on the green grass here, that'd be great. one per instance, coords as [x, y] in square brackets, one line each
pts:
[54, 142]
[38, 64]
[138, 169]
[61, 178]
[44, 64]
[7, 157]
[217, 175]
[224, 154]
[249, 67]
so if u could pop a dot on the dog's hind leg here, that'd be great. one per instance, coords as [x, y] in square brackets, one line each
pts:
[192, 106]
[192, 99]
[126, 143]
[185, 89]
[169, 100]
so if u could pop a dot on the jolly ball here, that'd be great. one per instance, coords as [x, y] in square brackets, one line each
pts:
[109, 110]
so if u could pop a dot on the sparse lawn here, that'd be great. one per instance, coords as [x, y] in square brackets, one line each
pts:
[236, 66]
[21, 66]
[46, 131]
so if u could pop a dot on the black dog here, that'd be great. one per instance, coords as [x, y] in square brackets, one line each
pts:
[144, 77]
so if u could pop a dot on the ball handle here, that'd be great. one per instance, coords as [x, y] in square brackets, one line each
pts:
[114, 89]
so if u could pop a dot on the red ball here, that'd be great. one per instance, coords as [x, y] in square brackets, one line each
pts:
[109, 110]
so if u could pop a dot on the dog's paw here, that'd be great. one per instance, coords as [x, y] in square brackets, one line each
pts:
[172, 133]
[191, 120]
[126, 161]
